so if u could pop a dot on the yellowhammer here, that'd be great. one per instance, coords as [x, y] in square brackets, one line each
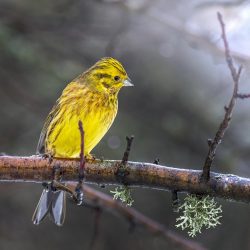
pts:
[91, 98]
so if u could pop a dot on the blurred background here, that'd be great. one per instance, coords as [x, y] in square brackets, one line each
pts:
[173, 53]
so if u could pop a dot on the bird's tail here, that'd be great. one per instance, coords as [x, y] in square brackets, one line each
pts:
[51, 202]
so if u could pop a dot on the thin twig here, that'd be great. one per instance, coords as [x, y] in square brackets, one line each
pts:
[213, 144]
[243, 96]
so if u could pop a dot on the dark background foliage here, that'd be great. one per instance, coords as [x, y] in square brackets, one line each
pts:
[172, 52]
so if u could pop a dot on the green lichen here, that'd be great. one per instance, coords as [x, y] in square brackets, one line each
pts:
[123, 193]
[198, 212]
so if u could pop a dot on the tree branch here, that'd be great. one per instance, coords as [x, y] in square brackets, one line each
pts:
[102, 201]
[37, 169]
[213, 144]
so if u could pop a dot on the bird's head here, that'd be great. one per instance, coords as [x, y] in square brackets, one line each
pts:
[107, 76]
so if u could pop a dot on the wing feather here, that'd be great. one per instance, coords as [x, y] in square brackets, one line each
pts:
[41, 143]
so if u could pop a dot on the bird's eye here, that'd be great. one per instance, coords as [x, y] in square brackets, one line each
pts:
[117, 78]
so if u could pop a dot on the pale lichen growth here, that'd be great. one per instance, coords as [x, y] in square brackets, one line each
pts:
[123, 193]
[199, 212]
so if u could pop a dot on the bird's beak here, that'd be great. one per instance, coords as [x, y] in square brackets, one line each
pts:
[127, 82]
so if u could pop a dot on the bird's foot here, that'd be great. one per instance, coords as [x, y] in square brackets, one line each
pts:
[47, 156]
[90, 157]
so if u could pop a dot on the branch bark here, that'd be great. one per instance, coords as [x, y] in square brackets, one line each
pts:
[38, 169]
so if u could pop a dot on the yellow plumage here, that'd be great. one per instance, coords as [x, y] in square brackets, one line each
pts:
[91, 98]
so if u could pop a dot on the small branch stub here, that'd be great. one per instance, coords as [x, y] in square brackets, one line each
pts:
[176, 201]
[128, 149]
[243, 96]
[123, 193]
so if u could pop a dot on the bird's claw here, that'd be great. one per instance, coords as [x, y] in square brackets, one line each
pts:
[47, 156]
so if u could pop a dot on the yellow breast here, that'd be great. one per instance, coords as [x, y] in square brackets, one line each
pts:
[96, 111]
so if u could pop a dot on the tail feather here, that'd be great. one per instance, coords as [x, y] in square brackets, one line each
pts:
[58, 208]
[53, 203]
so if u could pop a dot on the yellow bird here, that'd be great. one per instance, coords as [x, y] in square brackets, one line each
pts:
[91, 98]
